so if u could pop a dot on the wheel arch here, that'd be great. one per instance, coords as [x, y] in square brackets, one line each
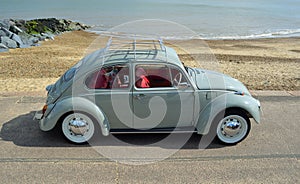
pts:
[239, 115]
[245, 104]
[59, 121]
[76, 104]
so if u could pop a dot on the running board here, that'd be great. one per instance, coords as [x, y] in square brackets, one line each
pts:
[154, 131]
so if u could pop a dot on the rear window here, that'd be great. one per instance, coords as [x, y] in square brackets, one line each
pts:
[69, 74]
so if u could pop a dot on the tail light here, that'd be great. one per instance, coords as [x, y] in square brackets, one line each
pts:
[44, 109]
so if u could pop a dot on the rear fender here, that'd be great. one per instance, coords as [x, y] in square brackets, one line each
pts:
[76, 104]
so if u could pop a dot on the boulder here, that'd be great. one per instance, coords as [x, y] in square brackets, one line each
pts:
[75, 26]
[11, 35]
[15, 29]
[28, 40]
[6, 31]
[2, 46]
[8, 42]
[17, 39]
[48, 35]
[72, 26]
[34, 41]
[25, 33]
[4, 23]
[2, 33]
[39, 37]
[47, 25]
[20, 24]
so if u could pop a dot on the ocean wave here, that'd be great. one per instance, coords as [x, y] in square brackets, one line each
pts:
[268, 34]
[153, 36]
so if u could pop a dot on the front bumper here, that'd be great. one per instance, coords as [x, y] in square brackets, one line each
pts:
[259, 107]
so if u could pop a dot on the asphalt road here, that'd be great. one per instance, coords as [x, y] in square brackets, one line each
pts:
[270, 154]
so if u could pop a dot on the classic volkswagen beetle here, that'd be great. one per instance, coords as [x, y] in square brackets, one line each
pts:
[135, 88]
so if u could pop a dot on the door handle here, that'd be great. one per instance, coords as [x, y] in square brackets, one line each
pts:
[139, 96]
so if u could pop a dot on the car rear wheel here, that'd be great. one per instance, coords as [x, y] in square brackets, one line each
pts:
[233, 127]
[78, 127]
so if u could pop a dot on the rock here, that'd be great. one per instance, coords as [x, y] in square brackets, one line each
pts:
[17, 39]
[39, 37]
[34, 27]
[20, 24]
[8, 42]
[2, 33]
[75, 26]
[48, 36]
[6, 31]
[4, 23]
[15, 29]
[3, 50]
[72, 26]
[11, 35]
[25, 33]
[28, 40]
[2, 46]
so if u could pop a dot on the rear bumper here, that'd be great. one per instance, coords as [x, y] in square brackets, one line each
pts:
[38, 115]
[44, 123]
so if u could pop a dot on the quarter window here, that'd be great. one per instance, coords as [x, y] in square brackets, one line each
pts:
[109, 77]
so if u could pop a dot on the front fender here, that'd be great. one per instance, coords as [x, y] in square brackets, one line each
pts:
[223, 102]
[74, 104]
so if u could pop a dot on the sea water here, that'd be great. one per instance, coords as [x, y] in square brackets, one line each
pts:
[212, 19]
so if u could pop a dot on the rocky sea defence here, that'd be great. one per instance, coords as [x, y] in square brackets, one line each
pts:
[18, 33]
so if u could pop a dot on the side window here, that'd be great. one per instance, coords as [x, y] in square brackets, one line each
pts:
[152, 76]
[109, 77]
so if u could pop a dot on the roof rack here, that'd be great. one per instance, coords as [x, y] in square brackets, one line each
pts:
[134, 45]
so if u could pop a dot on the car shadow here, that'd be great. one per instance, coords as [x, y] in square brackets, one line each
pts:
[24, 131]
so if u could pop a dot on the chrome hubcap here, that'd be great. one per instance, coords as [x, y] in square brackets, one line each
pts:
[231, 127]
[78, 126]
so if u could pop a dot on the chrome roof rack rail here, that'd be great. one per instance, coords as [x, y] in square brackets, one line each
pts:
[163, 47]
[134, 45]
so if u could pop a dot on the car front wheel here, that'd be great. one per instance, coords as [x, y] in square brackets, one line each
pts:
[78, 127]
[233, 127]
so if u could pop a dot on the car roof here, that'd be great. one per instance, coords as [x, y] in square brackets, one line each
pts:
[132, 50]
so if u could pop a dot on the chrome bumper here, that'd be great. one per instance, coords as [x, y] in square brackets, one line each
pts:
[260, 108]
[38, 115]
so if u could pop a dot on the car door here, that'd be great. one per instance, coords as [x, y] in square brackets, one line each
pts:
[161, 104]
[110, 89]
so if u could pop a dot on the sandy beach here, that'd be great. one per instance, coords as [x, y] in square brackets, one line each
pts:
[261, 64]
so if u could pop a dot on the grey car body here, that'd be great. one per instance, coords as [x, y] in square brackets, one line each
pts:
[179, 99]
